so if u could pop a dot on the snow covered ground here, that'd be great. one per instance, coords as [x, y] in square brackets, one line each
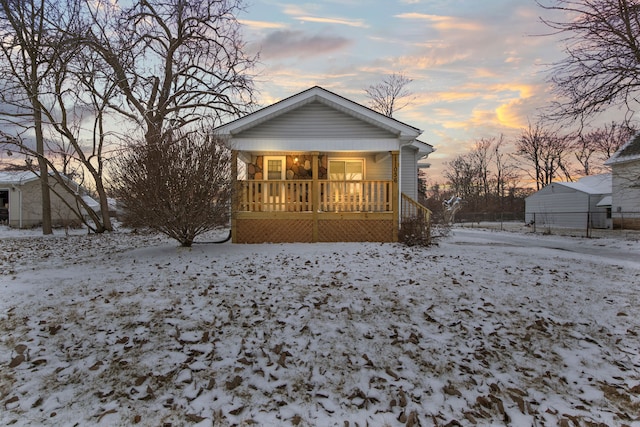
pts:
[486, 328]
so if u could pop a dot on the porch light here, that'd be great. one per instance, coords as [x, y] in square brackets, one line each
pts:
[295, 160]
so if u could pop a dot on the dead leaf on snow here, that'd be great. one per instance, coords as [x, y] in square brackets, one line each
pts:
[236, 411]
[96, 365]
[140, 380]
[451, 391]
[412, 419]
[105, 413]
[16, 361]
[403, 399]
[193, 418]
[392, 374]
[234, 383]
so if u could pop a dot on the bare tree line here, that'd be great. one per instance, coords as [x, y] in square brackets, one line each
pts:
[83, 78]
[491, 177]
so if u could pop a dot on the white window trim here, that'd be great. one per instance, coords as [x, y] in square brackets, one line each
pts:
[265, 167]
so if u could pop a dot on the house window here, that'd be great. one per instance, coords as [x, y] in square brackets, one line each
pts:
[274, 169]
[346, 191]
[346, 170]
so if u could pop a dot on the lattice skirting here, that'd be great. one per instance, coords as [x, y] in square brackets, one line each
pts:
[300, 230]
[355, 230]
[274, 230]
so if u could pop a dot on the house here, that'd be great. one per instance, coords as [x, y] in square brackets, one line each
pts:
[583, 204]
[21, 201]
[625, 198]
[317, 167]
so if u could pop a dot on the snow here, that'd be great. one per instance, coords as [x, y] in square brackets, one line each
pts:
[488, 328]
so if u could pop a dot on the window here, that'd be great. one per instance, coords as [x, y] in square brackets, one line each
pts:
[346, 170]
[274, 169]
[345, 193]
[274, 192]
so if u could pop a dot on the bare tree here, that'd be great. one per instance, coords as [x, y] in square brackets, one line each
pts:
[602, 64]
[481, 156]
[611, 137]
[27, 46]
[173, 62]
[390, 95]
[180, 187]
[544, 151]
[61, 105]
[594, 147]
[585, 146]
[154, 65]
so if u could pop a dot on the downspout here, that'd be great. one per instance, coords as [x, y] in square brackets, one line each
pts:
[19, 207]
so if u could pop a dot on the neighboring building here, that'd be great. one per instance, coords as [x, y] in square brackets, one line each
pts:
[318, 167]
[581, 204]
[625, 169]
[21, 201]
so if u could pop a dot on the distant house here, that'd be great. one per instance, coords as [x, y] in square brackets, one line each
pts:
[317, 167]
[581, 204]
[21, 201]
[625, 169]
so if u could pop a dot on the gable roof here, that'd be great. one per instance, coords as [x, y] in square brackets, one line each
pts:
[630, 151]
[423, 148]
[318, 94]
[592, 184]
[17, 177]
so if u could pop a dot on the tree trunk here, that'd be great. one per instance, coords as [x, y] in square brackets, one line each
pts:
[42, 166]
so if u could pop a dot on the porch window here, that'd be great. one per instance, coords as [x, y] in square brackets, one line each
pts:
[346, 191]
[346, 170]
[274, 192]
[274, 169]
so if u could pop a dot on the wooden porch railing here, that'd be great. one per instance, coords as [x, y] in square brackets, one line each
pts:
[297, 196]
[415, 224]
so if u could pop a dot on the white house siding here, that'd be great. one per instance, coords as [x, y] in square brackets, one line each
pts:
[25, 204]
[377, 170]
[626, 194]
[561, 206]
[409, 172]
[316, 121]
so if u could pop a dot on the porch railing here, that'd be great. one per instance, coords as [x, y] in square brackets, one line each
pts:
[415, 225]
[297, 196]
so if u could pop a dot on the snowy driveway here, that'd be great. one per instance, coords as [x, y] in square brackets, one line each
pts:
[614, 249]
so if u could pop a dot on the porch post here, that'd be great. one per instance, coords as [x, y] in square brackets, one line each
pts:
[395, 193]
[315, 194]
[234, 195]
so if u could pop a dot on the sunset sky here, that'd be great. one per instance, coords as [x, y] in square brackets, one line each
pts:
[478, 67]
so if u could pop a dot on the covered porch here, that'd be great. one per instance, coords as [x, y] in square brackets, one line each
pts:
[323, 201]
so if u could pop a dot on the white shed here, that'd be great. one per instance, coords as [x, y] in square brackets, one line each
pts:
[21, 200]
[581, 204]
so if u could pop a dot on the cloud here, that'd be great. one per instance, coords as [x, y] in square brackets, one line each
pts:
[308, 13]
[287, 43]
[261, 25]
[340, 21]
[443, 23]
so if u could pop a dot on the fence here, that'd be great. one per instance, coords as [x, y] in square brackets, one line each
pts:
[584, 224]
[477, 217]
